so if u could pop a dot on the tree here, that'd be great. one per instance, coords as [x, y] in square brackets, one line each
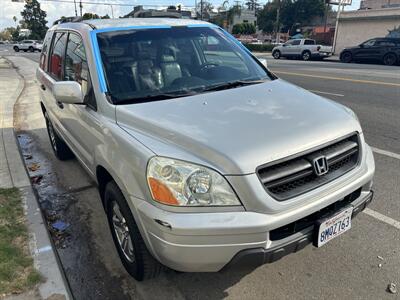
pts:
[204, 7]
[34, 19]
[253, 5]
[88, 16]
[244, 28]
[291, 12]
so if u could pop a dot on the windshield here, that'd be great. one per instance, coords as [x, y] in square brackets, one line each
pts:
[155, 64]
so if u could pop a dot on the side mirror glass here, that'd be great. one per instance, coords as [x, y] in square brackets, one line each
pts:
[69, 92]
[263, 61]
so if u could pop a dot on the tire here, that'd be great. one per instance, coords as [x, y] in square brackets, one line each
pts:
[346, 57]
[137, 260]
[389, 59]
[306, 55]
[31, 49]
[16, 49]
[276, 54]
[60, 148]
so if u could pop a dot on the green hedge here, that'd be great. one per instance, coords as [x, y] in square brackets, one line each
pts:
[260, 47]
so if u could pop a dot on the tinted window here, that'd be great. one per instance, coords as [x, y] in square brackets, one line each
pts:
[309, 42]
[369, 43]
[142, 64]
[296, 42]
[385, 43]
[45, 50]
[76, 67]
[57, 55]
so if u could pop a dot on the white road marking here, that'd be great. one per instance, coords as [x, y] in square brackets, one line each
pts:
[387, 153]
[326, 93]
[382, 218]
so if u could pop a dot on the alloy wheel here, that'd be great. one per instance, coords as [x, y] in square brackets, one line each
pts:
[122, 233]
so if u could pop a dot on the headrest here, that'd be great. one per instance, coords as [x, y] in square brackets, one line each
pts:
[167, 58]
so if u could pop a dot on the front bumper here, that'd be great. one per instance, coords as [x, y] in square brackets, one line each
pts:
[209, 241]
[252, 258]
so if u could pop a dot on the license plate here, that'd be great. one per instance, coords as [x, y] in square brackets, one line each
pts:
[333, 226]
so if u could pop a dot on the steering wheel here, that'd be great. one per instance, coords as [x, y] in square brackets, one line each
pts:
[208, 66]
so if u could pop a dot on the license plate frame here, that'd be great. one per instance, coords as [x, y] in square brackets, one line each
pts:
[329, 228]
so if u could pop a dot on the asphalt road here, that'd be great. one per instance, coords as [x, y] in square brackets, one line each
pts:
[358, 265]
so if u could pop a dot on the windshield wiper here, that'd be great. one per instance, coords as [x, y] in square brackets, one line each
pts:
[155, 97]
[232, 84]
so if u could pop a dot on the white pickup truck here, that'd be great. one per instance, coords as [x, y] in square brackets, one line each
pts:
[305, 49]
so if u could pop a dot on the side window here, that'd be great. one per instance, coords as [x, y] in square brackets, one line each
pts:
[369, 43]
[76, 67]
[385, 43]
[57, 55]
[309, 42]
[296, 43]
[45, 51]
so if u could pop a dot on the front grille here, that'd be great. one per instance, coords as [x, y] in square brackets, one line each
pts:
[308, 221]
[296, 175]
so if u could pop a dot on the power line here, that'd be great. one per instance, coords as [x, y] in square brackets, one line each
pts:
[108, 3]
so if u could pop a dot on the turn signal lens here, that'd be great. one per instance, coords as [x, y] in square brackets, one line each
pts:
[161, 193]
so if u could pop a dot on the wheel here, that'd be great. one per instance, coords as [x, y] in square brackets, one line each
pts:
[389, 59]
[16, 49]
[276, 54]
[306, 55]
[346, 57]
[60, 148]
[127, 238]
[31, 49]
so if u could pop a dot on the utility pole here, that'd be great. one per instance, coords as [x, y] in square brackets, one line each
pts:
[112, 11]
[80, 6]
[76, 12]
[326, 20]
[201, 9]
[337, 26]
[278, 26]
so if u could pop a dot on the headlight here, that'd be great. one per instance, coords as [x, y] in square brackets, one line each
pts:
[179, 183]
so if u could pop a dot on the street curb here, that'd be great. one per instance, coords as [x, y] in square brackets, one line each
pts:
[45, 257]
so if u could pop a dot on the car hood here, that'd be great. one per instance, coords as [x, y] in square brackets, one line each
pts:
[236, 130]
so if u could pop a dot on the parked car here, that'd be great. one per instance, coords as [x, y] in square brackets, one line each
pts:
[204, 159]
[28, 45]
[305, 49]
[383, 50]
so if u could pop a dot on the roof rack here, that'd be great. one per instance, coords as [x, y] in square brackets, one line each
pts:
[67, 20]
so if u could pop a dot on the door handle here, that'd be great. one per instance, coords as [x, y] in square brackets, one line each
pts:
[43, 87]
[60, 105]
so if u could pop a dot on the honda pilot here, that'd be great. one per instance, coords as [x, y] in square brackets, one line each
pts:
[204, 159]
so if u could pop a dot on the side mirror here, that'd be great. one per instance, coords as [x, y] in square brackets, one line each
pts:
[69, 92]
[284, 45]
[361, 45]
[263, 61]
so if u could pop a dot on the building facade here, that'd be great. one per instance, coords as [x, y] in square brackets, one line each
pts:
[358, 26]
[377, 4]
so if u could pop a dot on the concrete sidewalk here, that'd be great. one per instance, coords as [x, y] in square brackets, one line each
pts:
[13, 174]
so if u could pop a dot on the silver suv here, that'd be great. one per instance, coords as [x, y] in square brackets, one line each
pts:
[204, 159]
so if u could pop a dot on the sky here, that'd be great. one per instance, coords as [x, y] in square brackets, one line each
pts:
[55, 9]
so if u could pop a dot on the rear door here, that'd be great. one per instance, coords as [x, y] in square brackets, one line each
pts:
[52, 61]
